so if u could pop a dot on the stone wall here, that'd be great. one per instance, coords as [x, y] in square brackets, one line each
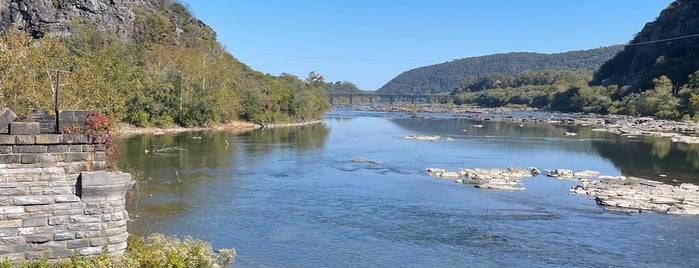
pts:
[55, 197]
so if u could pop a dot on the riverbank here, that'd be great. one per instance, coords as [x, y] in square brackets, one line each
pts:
[127, 130]
[622, 125]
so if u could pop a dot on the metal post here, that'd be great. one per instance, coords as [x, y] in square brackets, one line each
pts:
[55, 100]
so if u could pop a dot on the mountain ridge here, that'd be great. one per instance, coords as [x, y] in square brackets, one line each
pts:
[444, 77]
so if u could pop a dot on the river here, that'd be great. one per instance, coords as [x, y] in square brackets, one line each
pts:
[294, 197]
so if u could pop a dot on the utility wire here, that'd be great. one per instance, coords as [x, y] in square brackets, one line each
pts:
[338, 59]
[663, 40]
[421, 60]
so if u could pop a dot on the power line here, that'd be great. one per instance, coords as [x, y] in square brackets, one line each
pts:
[663, 40]
[337, 59]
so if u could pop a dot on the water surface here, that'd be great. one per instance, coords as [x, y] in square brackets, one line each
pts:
[293, 197]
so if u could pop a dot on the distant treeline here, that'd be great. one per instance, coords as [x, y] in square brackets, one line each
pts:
[443, 77]
[569, 91]
[172, 71]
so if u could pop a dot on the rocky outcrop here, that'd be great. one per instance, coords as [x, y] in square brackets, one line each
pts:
[56, 18]
[500, 179]
[665, 46]
[631, 194]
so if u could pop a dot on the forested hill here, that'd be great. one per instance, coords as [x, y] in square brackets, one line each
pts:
[667, 46]
[146, 62]
[445, 77]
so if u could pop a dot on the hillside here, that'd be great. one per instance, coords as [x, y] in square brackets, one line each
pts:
[667, 46]
[146, 62]
[445, 77]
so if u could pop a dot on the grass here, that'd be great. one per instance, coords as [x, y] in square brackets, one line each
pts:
[154, 251]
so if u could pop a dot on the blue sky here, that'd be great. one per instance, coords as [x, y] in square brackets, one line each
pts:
[369, 42]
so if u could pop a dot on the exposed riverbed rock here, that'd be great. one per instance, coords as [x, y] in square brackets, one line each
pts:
[622, 125]
[422, 138]
[501, 179]
[631, 194]
[567, 174]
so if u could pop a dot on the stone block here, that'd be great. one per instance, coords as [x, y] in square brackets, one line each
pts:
[84, 219]
[5, 232]
[10, 159]
[58, 220]
[10, 240]
[49, 158]
[12, 192]
[87, 234]
[115, 231]
[64, 236]
[25, 149]
[61, 253]
[66, 198]
[118, 238]
[74, 157]
[58, 148]
[8, 139]
[48, 139]
[25, 231]
[50, 229]
[48, 246]
[76, 139]
[24, 128]
[73, 118]
[11, 223]
[11, 210]
[6, 249]
[102, 185]
[24, 139]
[117, 248]
[6, 117]
[29, 159]
[31, 200]
[22, 248]
[5, 149]
[39, 238]
[90, 251]
[35, 222]
[97, 241]
[75, 244]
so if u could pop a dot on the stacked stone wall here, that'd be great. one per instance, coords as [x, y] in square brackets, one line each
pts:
[56, 199]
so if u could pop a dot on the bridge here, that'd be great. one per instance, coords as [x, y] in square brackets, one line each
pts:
[392, 98]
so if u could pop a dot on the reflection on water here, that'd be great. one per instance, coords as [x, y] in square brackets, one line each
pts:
[294, 197]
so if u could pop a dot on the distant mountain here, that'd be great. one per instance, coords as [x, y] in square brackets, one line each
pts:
[445, 77]
[667, 46]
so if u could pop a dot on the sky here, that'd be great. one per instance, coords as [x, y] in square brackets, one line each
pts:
[369, 42]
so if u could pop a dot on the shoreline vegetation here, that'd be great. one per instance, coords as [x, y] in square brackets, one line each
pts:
[156, 250]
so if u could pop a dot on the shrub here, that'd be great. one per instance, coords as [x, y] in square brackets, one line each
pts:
[155, 251]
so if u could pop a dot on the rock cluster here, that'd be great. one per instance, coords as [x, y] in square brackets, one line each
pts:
[501, 179]
[567, 174]
[631, 194]
[615, 193]
[422, 138]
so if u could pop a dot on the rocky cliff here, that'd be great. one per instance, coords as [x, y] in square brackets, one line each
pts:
[667, 46]
[56, 17]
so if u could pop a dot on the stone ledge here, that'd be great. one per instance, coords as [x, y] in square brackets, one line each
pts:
[24, 128]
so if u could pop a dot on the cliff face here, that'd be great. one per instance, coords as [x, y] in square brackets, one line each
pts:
[55, 17]
[667, 46]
